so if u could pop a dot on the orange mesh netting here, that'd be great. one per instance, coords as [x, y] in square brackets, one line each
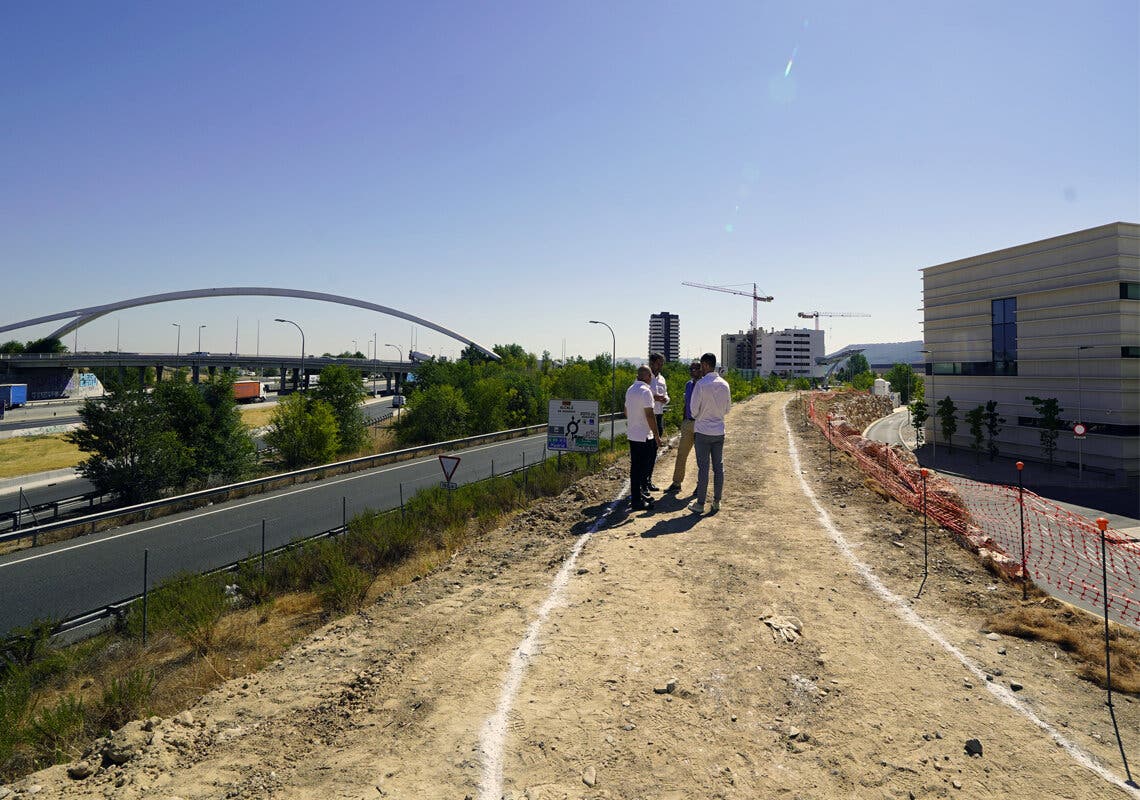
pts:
[1062, 549]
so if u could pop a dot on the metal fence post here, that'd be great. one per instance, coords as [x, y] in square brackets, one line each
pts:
[263, 547]
[401, 499]
[925, 541]
[1102, 523]
[146, 565]
[343, 514]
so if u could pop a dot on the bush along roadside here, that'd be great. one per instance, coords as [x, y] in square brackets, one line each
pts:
[205, 629]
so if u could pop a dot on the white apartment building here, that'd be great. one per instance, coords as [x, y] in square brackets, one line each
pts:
[1057, 318]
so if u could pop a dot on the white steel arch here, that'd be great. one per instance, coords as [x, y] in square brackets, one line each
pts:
[81, 316]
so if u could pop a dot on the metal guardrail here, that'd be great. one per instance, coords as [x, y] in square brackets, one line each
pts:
[11, 520]
[150, 509]
[120, 608]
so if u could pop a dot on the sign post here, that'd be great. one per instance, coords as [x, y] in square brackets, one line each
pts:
[1079, 431]
[449, 464]
[572, 426]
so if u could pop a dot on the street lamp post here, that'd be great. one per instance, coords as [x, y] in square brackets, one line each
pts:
[200, 338]
[178, 341]
[298, 327]
[1080, 412]
[613, 379]
[375, 358]
[398, 350]
[355, 347]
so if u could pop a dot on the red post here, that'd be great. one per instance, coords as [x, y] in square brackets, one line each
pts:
[1102, 523]
[925, 541]
[1021, 511]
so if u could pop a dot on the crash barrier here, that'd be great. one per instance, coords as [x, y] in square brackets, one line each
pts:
[511, 464]
[101, 521]
[1062, 552]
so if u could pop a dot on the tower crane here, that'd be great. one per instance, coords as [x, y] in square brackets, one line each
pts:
[818, 314]
[756, 298]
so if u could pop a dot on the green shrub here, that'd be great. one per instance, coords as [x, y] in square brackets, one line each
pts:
[187, 605]
[346, 585]
[58, 734]
[126, 698]
[15, 698]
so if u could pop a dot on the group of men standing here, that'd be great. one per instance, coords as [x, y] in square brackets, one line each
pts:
[707, 402]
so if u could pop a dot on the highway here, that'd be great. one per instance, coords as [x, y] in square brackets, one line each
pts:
[69, 578]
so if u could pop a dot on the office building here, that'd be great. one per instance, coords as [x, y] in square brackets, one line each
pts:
[1054, 319]
[790, 353]
[665, 335]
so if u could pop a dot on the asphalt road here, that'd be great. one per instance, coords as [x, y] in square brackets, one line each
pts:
[70, 578]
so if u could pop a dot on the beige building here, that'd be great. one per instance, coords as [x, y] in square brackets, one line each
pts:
[1058, 318]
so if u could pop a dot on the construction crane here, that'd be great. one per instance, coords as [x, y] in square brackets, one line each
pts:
[756, 298]
[818, 314]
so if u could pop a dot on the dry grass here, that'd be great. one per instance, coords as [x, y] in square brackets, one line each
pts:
[22, 455]
[1081, 635]
[256, 415]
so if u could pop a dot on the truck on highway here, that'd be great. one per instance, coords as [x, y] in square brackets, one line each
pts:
[249, 391]
[12, 395]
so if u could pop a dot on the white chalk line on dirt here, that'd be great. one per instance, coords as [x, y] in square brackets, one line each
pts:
[494, 733]
[900, 607]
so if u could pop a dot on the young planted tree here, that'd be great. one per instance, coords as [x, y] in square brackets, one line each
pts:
[993, 428]
[208, 423]
[977, 417]
[946, 411]
[918, 417]
[435, 415]
[1049, 420]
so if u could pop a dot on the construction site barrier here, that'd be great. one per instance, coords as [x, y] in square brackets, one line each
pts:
[1062, 549]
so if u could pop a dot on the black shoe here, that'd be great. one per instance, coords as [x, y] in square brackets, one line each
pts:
[654, 487]
[637, 506]
[649, 503]
[673, 488]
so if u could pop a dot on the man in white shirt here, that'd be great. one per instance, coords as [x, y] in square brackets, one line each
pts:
[710, 403]
[643, 443]
[660, 400]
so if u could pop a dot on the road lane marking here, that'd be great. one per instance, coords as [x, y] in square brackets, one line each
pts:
[494, 733]
[308, 488]
[911, 617]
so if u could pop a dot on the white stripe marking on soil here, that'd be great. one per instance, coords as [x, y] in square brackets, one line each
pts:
[900, 607]
[494, 734]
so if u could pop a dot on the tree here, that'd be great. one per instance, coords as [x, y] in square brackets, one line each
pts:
[134, 454]
[207, 421]
[12, 347]
[574, 382]
[340, 387]
[918, 418]
[303, 430]
[902, 380]
[488, 406]
[855, 365]
[993, 428]
[976, 418]
[48, 344]
[435, 415]
[1049, 420]
[863, 381]
[946, 411]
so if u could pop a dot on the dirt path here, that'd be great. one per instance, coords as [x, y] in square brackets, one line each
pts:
[656, 676]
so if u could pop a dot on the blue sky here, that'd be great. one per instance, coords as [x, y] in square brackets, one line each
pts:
[512, 170]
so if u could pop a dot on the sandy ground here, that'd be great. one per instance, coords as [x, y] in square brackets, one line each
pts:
[658, 672]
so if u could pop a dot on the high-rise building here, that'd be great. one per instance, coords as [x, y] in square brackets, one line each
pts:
[665, 335]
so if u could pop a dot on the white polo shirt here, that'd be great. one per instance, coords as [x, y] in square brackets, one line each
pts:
[638, 397]
[710, 403]
[657, 386]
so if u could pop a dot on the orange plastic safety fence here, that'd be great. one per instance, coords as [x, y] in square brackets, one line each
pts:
[1062, 549]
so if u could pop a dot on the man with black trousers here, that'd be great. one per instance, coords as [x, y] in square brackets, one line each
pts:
[641, 431]
[660, 400]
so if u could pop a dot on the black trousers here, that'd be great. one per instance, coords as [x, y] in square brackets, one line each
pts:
[641, 457]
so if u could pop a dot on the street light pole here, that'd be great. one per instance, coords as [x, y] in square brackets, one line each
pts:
[200, 338]
[298, 327]
[1080, 412]
[178, 341]
[613, 379]
[375, 358]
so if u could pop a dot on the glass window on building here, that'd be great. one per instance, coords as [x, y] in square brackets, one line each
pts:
[1003, 314]
[1129, 290]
